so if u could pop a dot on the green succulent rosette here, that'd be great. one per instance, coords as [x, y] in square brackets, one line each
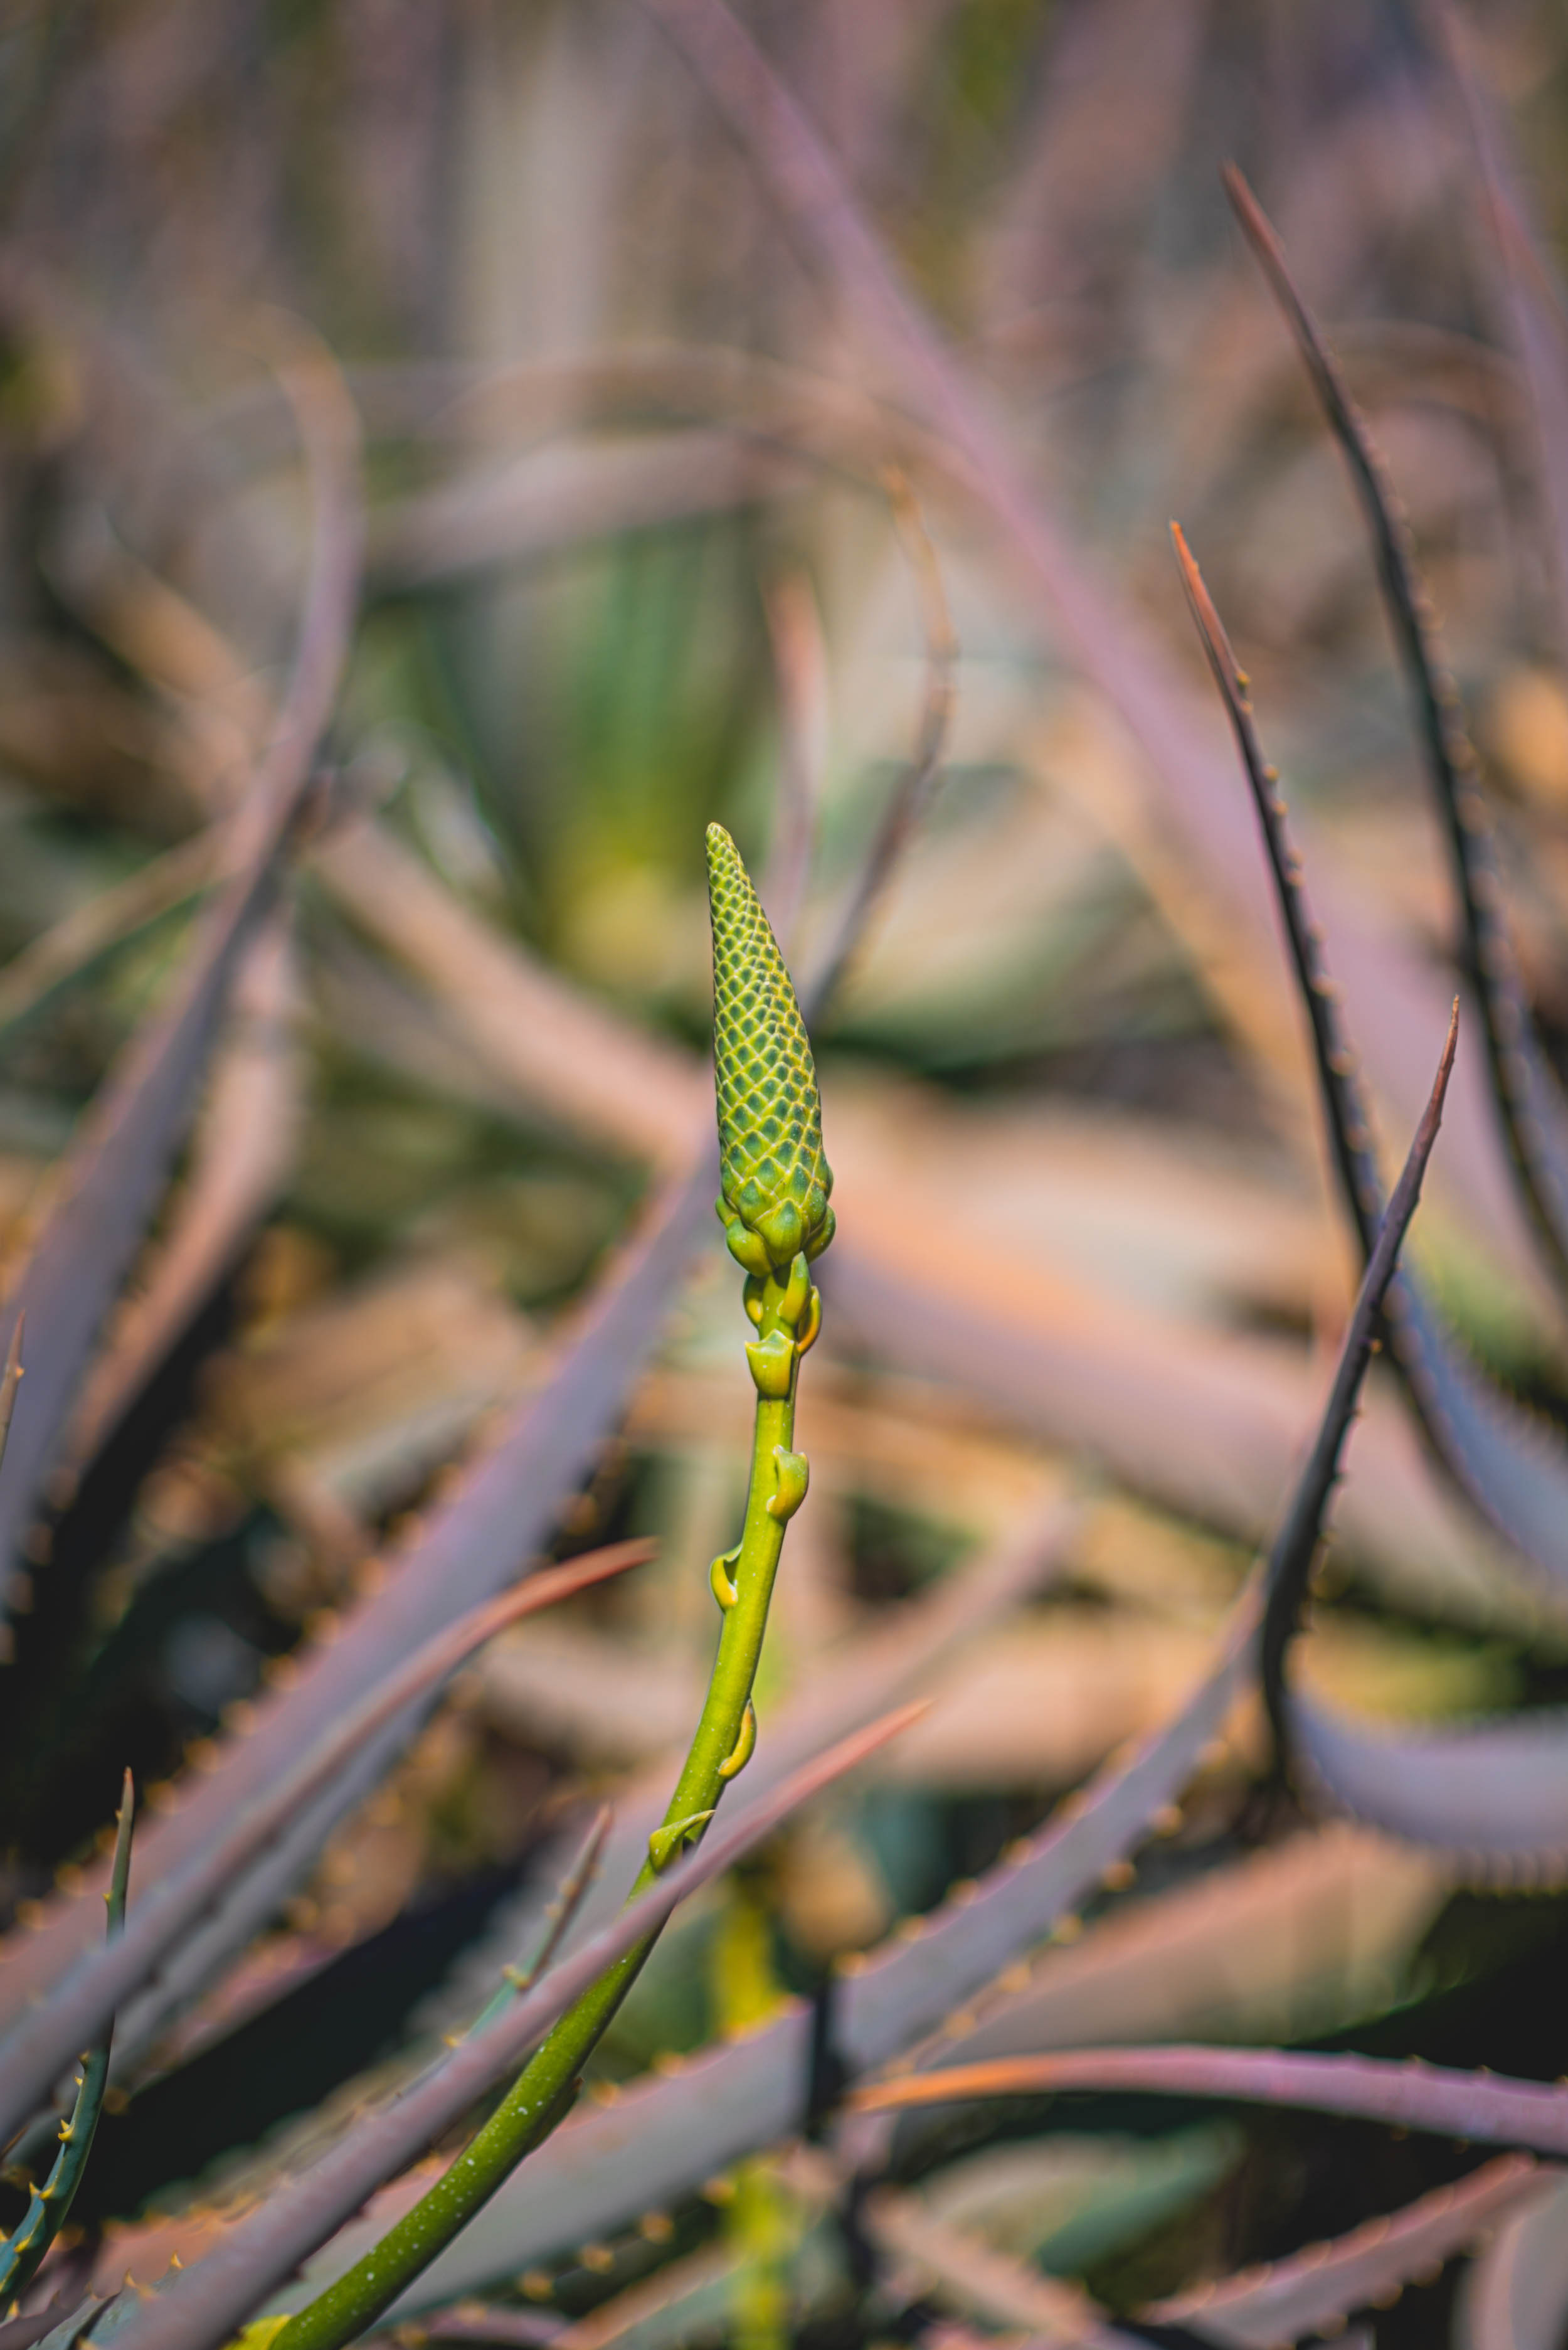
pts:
[773, 1180]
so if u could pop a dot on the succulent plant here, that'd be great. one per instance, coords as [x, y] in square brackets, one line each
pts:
[736, 2132]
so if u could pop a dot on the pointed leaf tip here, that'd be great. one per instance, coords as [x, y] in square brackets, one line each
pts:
[775, 1180]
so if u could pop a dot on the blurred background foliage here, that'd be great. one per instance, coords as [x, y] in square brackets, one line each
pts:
[635, 562]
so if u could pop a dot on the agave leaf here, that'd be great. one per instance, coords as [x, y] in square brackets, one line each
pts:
[1516, 2295]
[1530, 1103]
[1206, 1424]
[82, 2004]
[1513, 1469]
[199, 2307]
[1309, 2293]
[561, 1915]
[1484, 2106]
[528, 2329]
[113, 1173]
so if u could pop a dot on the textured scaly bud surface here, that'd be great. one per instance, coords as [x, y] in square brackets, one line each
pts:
[775, 1180]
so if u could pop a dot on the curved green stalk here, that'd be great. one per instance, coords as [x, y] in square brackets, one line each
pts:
[48, 2205]
[774, 1207]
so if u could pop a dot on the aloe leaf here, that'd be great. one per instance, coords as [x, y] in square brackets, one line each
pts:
[111, 1177]
[1511, 1468]
[48, 2207]
[879, 1669]
[1207, 1427]
[774, 1183]
[1530, 1103]
[632, 1093]
[11, 1380]
[502, 1511]
[685, 2302]
[1492, 1795]
[199, 2307]
[89, 1995]
[1126, 1794]
[1103, 641]
[75, 946]
[1260, 1939]
[872, 1677]
[1313, 2290]
[1494, 1792]
[67, 2332]
[1516, 2295]
[1529, 291]
[240, 1155]
[1486, 2107]
[911, 796]
[975, 2277]
[662, 2138]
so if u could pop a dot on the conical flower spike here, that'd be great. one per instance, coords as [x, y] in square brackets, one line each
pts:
[775, 1180]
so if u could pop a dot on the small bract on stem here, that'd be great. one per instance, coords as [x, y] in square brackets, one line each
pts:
[775, 1189]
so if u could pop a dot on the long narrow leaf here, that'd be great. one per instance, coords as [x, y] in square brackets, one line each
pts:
[663, 2138]
[111, 1178]
[503, 1510]
[1531, 1107]
[1492, 1795]
[49, 2206]
[936, 1952]
[501, 1516]
[89, 1995]
[1481, 2105]
[881, 1667]
[1105, 641]
[201, 2305]
[1513, 1470]
[1316, 2289]
[1516, 2297]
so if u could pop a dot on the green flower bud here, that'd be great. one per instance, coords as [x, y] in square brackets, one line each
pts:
[773, 1180]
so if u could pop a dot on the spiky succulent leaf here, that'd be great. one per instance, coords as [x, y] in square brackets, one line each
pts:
[775, 1180]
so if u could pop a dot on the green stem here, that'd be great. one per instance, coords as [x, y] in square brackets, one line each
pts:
[786, 1310]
